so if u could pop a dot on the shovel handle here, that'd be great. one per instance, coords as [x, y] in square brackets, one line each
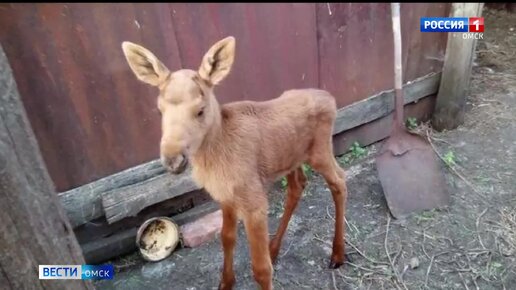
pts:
[398, 77]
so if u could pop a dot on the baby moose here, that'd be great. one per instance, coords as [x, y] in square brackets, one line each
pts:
[237, 150]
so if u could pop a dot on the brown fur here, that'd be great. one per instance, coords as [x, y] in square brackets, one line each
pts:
[239, 149]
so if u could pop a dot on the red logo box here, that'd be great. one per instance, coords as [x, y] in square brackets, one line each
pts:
[476, 24]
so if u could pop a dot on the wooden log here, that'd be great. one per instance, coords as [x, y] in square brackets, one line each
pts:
[34, 229]
[84, 203]
[130, 200]
[122, 243]
[458, 60]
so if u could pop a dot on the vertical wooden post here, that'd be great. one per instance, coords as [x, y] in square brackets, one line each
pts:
[34, 229]
[455, 79]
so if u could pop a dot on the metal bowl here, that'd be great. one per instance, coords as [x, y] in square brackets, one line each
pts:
[157, 238]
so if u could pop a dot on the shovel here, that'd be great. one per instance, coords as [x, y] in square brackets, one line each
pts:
[409, 170]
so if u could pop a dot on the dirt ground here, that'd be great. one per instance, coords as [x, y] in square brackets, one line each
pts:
[469, 245]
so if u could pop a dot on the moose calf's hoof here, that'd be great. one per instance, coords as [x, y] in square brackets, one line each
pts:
[335, 265]
[226, 286]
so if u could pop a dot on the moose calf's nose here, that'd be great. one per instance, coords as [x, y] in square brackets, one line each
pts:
[175, 164]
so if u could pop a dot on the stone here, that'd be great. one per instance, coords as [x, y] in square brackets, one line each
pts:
[202, 230]
[414, 263]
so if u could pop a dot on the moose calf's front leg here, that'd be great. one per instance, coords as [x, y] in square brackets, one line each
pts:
[255, 222]
[228, 236]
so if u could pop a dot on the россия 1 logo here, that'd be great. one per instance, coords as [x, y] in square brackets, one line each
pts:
[473, 27]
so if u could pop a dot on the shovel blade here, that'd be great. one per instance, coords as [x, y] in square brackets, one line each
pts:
[412, 182]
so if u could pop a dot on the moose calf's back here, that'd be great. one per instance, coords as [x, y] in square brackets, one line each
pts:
[281, 131]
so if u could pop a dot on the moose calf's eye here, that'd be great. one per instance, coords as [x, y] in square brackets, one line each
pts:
[200, 113]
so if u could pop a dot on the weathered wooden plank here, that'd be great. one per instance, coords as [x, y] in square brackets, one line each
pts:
[84, 203]
[124, 242]
[141, 186]
[34, 229]
[121, 243]
[451, 100]
[130, 200]
[382, 104]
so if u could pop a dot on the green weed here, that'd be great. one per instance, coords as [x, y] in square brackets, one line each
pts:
[355, 152]
[411, 123]
[449, 159]
[284, 182]
[425, 216]
[307, 170]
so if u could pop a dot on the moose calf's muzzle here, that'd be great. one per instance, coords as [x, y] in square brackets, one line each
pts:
[176, 164]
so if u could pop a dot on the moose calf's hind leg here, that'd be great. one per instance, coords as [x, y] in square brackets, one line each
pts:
[326, 165]
[258, 236]
[228, 237]
[296, 181]
[337, 183]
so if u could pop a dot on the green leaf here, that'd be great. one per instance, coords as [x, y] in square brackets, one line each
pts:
[284, 182]
[449, 158]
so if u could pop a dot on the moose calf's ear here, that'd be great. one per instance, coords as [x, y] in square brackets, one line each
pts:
[216, 63]
[144, 64]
